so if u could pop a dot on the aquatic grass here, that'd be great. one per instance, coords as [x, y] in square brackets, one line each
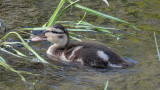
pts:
[37, 28]
[53, 17]
[52, 21]
[101, 14]
[75, 38]
[22, 43]
[157, 46]
[106, 85]
[4, 64]
[56, 15]
[82, 18]
[81, 25]
[106, 2]
[18, 52]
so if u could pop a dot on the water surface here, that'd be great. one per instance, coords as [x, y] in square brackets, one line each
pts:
[138, 45]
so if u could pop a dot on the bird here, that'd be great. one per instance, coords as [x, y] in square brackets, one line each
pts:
[85, 53]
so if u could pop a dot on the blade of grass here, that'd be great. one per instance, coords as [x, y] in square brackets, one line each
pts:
[80, 30]
[25, 45]
[4, 64]
[103, 30]
[18, 52]
[157, 46]
[101, 14]
[82, 18]
[74, 22]
[75, 38]
[2, 60]
[37, 28]
[106, 86]
[106, 2]
[25, 33]
[53, 17]
[83, 24]
[3, 50]
[28, 58]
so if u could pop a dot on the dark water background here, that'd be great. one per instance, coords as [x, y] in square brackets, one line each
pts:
[140, 46]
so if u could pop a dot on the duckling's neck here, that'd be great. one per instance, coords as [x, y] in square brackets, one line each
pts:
[54, 48]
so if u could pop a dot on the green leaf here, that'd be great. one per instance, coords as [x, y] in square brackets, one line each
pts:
[82, 18]
[79, 30]
[4, 64]
[76, 38]
[2, 59]
[67, 7]
[18, 52]
[2, 49]
[106, 2]
[106, 86]
[24, 44]
[157, 46]
[54, 16]
[37, 28]
[103, 30]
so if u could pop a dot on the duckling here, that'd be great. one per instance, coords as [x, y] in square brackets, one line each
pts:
[82, 53]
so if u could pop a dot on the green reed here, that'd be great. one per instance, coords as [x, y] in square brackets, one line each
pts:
[4, 64]
[81, 25]
[22, 43]
[4, 43]
[106, 85]
[157, 46]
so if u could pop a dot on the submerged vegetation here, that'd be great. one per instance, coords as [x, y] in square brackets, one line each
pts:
[75, 25]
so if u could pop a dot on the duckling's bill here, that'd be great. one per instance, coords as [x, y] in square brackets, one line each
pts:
[38, 35]
[37, 38]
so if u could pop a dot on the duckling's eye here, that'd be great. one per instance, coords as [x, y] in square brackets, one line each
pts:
[53, 32]
[57, 32]
[60, 36]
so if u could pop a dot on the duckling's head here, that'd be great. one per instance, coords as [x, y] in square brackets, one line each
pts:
[56, 34]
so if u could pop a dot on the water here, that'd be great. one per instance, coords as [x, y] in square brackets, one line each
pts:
[139, 46]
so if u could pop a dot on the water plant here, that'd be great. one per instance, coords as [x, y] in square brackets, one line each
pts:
[22, 43]
[106, 85]
[157, 46]
[79, 25]
[4, 64]
[4, 43]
